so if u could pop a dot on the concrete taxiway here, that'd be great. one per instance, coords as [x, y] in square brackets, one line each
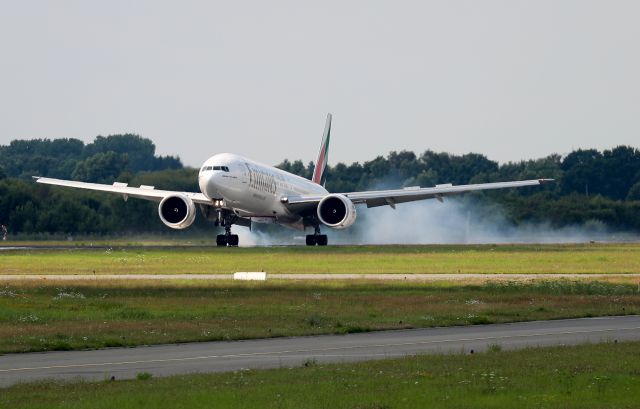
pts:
[164, 360]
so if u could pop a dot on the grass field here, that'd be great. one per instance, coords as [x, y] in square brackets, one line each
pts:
[52, 316]
[38, 316]
[591, 376]
[575, 258]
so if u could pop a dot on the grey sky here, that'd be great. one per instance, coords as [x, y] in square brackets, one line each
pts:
[509, 79]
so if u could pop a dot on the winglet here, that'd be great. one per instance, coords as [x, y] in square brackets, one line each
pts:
[319, 171]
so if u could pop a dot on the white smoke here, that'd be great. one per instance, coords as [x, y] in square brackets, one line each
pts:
[430, 222]
[246, 238]
[458, 222]
[268, 235]
[454, 222]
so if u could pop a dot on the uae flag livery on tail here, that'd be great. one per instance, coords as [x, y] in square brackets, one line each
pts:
[319, 171]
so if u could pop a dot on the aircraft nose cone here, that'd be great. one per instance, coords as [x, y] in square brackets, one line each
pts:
[209, 186]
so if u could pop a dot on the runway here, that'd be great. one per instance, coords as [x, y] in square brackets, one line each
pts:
[328, 276]
[165, 360]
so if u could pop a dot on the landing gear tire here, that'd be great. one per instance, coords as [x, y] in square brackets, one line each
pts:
[223, 240]
[317, 239]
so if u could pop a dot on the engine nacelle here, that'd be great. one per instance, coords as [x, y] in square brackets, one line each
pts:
[337, 211]
[177, 211]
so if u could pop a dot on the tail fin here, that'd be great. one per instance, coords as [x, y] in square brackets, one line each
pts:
[319, 174]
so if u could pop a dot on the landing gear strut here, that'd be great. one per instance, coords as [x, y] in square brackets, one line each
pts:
[226, 220]
[316, 238]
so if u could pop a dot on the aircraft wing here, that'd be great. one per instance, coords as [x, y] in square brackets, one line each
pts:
[392, 197]
[142, 192]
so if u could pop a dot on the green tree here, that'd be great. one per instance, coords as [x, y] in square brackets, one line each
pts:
[60, 157]
[102, 167]
[621, 168]
[582, 171]
[634, 192]
[296, 167]
[140, 151]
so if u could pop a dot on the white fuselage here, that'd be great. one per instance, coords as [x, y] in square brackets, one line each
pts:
[252, 189]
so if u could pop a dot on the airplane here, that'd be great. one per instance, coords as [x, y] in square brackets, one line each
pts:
[235, 190]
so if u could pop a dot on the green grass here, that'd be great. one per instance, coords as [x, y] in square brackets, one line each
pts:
[591, 376]
[37, 316]
[580, 258]
[90, 314]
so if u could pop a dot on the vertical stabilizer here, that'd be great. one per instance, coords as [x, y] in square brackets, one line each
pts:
[319, 172]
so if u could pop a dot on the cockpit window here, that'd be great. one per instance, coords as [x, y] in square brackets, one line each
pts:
[222, 168]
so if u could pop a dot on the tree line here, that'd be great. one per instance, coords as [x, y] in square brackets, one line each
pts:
[591, 185]
[100, 161]
[614, 174]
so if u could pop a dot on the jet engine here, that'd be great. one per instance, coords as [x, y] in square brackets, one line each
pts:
[337, 211]
[177, 211]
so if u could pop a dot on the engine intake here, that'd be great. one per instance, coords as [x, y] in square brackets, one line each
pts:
[177, 211]
[337, 211]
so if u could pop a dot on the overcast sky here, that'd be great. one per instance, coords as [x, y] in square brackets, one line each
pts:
[509, 79]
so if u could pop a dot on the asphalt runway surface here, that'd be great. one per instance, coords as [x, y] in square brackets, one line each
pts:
[165, 360]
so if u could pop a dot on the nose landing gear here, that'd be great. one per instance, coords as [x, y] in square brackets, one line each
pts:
[226, 220]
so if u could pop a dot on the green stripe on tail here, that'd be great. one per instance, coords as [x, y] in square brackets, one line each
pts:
[319, 171]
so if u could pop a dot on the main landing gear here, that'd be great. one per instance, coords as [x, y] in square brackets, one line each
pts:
[316, 238]
[226, 220]
[227, 239]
